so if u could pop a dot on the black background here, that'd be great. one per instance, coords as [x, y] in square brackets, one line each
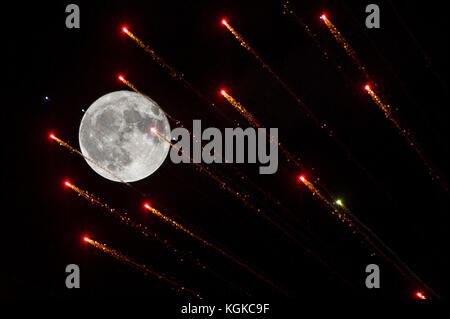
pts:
[43, 222]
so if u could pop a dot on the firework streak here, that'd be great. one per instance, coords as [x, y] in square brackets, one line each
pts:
[306, 109]
[131, 86]
[143, 230]
[403, 131]
[74, 150]
[372, 239]
[213, 246]
[222, 184]
[358, 227]
[173, 73]
[121, 257]
[122, 216]
[242, 175]
[206, 171]
[253, 121]
[178, 76]
[408, 136]
[241, 109]
[288, 10]
[344, 44]
[241, 197]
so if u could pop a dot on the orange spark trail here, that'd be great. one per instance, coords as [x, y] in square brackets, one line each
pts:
[131, 86]
[226, 187]
[403, 131]
[180, 227]
[288, 10]
[172, 72]
[242, 198]
[143, 230]
[364, 232]
[345, 45]
[309, 114]
[315, 191]
[384, 107]
[253, 121]
[74, 150]
[206, 171]
[121, 257]
[177, 122]
[180, 77]
[267, 67]
[408, 136]
[123, 217]
[242, 110]
[372, 239]
[223, 185]
[346, 217]
[267, 218]
[213, 246]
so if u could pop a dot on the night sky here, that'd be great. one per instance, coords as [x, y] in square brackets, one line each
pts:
[44, 222]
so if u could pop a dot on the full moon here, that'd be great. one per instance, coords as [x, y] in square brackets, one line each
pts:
[115, 132]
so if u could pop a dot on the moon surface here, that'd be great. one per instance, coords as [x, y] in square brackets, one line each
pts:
[115, 133]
